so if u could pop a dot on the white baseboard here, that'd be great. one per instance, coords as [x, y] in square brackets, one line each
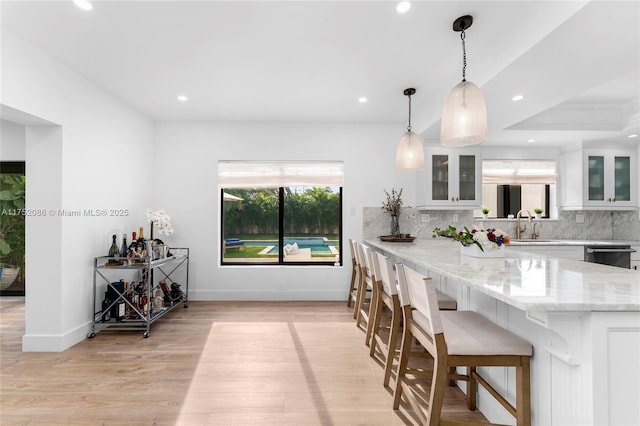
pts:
[55, 342]
[286, 295]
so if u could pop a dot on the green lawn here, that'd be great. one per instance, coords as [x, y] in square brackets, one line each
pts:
[246, 252]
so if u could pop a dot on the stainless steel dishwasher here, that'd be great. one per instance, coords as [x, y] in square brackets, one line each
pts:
[609, 255]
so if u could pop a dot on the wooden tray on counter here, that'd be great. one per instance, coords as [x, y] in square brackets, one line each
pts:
[392, 239]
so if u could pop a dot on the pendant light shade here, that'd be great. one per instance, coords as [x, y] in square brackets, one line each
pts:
[464, 116]
[410, 152]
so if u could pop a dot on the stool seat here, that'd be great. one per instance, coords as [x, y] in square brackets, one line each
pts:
[469, 333]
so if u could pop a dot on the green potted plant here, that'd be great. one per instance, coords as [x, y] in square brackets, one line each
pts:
[485, 213]
[12, 204]
[538, 212]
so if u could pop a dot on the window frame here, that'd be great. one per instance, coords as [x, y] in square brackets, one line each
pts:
[281, 236]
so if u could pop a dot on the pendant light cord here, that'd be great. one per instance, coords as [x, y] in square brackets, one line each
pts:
[409, 126]
[464, 57]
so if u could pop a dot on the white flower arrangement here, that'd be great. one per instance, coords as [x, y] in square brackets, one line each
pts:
[490, 238]
[162, 220]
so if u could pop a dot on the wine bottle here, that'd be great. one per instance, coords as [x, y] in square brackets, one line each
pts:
[106, 312]
[113, 250]
[142, 243]
[124, 249]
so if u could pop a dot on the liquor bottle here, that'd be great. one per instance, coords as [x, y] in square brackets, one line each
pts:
[124, 249]
[134, 242]
[113, 250]
[106, 313]
[142, 243]
[158, 301]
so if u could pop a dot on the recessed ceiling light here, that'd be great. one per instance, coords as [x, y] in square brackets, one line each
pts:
[362, 99]
[182, 98]
[517, 98]
[403, 6]
[531, 141]
[633, 136]
[83, 4]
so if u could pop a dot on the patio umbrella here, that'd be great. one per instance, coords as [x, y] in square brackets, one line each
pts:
[229, 197]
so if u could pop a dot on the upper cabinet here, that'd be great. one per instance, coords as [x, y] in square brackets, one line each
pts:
[599, 179]
[453, 179]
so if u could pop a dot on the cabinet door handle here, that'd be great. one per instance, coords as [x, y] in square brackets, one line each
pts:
[609, 199]
[457, 199]
[453, 199]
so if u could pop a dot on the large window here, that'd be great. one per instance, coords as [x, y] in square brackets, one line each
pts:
[281, 213]
[509, 186]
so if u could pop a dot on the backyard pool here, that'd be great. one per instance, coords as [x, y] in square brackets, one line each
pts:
[318, 245]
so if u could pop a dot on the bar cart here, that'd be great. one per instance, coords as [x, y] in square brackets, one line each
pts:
[153, 290]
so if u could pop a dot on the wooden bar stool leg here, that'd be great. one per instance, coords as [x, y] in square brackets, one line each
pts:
[438, 384]
[359, 295]
[405, 350]
[373, 309]
[352, 284]
[523, 393]
[472, 389]
[396, 320]
[377, 319]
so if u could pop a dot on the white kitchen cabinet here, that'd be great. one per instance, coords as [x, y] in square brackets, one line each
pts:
[453, 179]
[599, 179]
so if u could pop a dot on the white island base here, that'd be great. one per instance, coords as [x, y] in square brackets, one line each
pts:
[582, 319]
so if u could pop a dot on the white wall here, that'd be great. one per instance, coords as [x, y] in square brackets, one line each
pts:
[187, 187]
[12, 141]
[96, 154]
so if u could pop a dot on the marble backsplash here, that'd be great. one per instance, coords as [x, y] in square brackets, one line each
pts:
[597, 225]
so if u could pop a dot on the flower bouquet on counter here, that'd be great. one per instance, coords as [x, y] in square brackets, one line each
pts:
[488, 239]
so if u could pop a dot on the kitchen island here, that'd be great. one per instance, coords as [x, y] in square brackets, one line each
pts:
[583, 320]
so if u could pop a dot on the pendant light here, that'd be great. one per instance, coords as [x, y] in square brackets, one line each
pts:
[410, 154]
[464, 116]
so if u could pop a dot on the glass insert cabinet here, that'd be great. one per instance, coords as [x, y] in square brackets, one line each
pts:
[453, 177]
[609, 178]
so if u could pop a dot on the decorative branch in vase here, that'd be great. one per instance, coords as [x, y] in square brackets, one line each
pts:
[392, 206]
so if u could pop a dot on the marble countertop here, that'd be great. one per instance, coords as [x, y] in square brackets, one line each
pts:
[560, 242]
[527, 281]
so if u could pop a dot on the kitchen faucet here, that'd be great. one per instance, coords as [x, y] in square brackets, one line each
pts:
[534, 234]
[519, 230]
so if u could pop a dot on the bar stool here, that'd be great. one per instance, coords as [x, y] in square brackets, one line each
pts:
[351, 297]
[386, 294]
[365, 309]
[361, 287]
[457, 339]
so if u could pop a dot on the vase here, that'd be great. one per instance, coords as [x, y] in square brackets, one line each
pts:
[474, 251]
[538, 215]
[8, 276]
[395, 225]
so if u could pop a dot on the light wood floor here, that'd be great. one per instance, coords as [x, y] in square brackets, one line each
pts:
[214, 363]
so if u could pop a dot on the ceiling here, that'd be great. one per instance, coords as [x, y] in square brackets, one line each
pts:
[576, 62]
